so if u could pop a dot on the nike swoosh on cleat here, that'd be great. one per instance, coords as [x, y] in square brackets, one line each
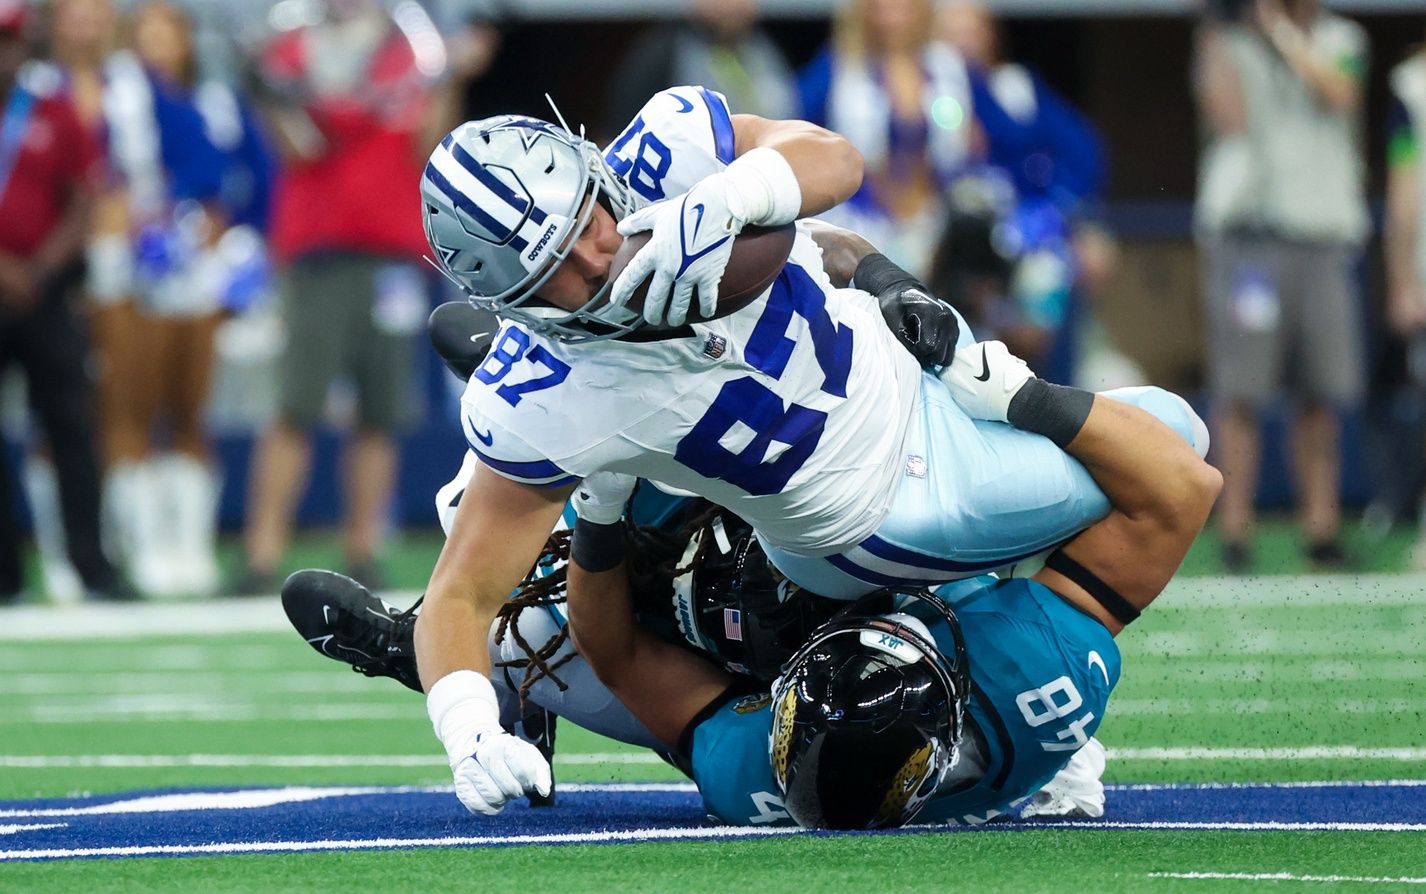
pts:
[984, 367]
[1096, 661]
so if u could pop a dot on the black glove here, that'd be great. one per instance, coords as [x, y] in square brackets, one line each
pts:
[925, 325]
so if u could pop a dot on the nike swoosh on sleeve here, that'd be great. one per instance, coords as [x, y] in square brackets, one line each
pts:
[684, 106]
[1095, 660]
[484, 438]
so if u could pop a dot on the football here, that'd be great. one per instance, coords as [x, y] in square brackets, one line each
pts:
[759, 254]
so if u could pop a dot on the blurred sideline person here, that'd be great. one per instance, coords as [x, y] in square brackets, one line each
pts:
[80, 35]
[49, 170]
[1281, 217]
[83, 37]
[350, 100]
[1057, 164]
[718, 44]
[1405, 236]
[904, 100]
[192, 165]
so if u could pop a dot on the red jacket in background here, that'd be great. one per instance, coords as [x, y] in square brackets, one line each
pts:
[363, 194]
[57, 156]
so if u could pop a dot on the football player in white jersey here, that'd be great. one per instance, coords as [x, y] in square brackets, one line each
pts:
[801, 412]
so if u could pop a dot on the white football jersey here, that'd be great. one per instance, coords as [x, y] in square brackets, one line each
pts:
[790, 412]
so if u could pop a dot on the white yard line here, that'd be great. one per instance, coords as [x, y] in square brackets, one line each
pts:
[1309, 752]
[257, 798]
[214, 713]
[217, 617]
[32, 623]
[1291, 877]
[32, 827]
[152, 761]
[681, 834]
[1266, 706]
[1264, 826]
[186, 684]
[1334, 783]
[298, 761]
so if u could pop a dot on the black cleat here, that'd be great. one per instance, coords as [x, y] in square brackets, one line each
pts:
[343, 620]
[538, 728]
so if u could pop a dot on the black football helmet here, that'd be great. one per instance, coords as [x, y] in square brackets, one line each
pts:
[733, 604]
[868, 716]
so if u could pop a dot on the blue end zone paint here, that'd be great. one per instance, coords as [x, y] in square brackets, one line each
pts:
[167, 823]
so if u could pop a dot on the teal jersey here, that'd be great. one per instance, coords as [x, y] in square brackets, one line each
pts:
[1041, 673]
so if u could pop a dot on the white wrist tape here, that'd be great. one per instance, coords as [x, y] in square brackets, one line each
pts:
[462, 706]
[763, 189]
[110, 260]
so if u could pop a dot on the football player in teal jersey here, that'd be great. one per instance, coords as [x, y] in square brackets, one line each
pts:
[953, 705]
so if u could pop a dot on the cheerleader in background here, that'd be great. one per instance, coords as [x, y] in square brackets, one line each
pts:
[196, 177]
[905, 101]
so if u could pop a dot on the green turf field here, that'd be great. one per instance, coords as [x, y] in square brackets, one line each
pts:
[1225, 680]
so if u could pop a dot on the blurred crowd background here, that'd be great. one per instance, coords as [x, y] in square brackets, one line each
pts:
[213, 293]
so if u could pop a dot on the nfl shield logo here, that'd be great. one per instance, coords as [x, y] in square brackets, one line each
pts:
[733, 624]
[915, 466]
[715, 346]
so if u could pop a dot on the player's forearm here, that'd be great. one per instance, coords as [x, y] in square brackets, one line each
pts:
[827, 166]
[1149, 473]
[663, 686]
[451, 636]
[842, 250]
[601, 619]
[1160, 493]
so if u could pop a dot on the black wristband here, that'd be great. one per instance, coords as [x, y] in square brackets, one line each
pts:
[877, 273]
[596, 547]
[1056, 411]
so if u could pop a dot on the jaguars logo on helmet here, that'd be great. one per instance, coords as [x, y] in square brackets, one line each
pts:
[504, 200]
[869, 715]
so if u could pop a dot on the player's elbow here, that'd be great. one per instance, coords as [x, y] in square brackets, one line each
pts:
[1178, 501]
[1191, 489]
[846, 165]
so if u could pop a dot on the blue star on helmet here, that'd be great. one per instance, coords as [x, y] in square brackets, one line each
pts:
[530, 130]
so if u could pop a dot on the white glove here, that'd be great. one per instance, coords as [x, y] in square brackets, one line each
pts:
[1076, 791]
[500, 769]
[693, 235]
[491, 767]
[692, 241]
[601, 497]
[984, 377]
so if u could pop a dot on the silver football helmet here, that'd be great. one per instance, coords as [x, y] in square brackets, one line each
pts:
[503, 201]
